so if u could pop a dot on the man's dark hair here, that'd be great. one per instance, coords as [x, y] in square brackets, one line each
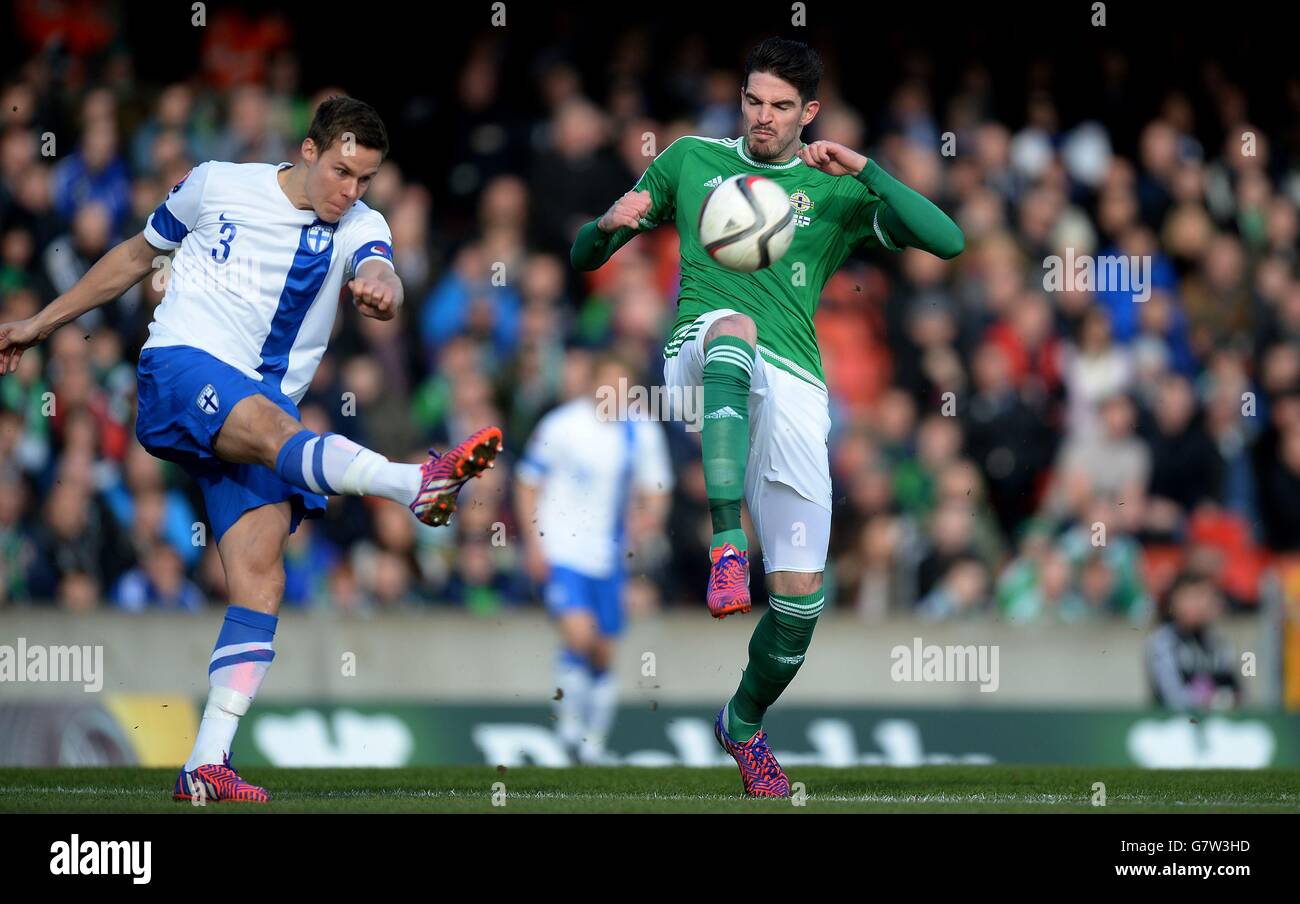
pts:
[792, 61]
[1189, 577]
[338, 115]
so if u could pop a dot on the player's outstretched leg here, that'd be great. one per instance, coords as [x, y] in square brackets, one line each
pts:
[260, 431]
[333, 464]
[776, 650]
[728, 372]
[239, 662]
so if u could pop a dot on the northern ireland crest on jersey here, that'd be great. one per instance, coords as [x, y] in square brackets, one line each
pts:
[318, 238]
[208, 400]
[801, 203]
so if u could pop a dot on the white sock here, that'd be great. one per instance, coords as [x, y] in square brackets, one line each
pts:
[573, 678]
[350, 469]
[244, 651]
[602, 704]
[218, 727]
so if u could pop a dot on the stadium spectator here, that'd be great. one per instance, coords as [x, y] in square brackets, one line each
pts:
[1186, 469]
[159, 583]
[1112, 464]
[1191, 666]
[94, 174]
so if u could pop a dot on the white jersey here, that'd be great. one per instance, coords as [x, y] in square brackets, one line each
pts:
[587, 470]
[257, 281]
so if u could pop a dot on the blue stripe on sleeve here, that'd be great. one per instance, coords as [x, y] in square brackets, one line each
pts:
[369, 250]
[164, 223]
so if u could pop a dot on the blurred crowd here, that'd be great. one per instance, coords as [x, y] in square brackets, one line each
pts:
[999, 449]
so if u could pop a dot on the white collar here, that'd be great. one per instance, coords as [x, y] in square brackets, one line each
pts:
[740, 149]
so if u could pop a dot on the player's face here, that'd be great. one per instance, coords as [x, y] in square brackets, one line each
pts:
[773, 116]
[335, 180]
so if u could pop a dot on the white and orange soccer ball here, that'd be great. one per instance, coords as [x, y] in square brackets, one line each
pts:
[746, 223]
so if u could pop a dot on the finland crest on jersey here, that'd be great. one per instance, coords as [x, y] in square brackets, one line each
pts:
[256, 281]
[319, 237]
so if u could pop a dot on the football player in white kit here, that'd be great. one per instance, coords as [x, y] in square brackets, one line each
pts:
[263, 253]
[586, 471]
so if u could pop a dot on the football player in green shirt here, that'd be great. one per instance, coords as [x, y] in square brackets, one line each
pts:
[748, 340]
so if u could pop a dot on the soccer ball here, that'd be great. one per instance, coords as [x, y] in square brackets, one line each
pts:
[746, 223]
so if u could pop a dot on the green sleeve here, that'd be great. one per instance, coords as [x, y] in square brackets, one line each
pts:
[592, 247]
[906, 217]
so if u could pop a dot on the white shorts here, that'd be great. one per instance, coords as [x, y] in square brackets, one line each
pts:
[788, 475]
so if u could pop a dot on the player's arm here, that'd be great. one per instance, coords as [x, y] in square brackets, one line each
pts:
[907, 219]
[377, 289]
[650, 514]
[597, 241]
[371, 274]
[114, 273]
[526, 494]
[653, 478]
[648, 204]
[530, 472]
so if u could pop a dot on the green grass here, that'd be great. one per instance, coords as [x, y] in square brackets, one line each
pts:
[468, 789]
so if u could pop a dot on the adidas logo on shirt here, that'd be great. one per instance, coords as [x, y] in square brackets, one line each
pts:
[725, 411]
[714, 182]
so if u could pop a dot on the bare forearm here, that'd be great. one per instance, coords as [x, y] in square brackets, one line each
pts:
[114, 273]
[526, 512]
[655, 505]
[385, 275]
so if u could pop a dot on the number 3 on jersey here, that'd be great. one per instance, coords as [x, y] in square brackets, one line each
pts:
[222, 251]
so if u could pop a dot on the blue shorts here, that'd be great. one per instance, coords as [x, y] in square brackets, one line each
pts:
[183, 397]
[568, 590]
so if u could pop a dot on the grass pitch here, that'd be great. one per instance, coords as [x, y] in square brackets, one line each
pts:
[470, 789]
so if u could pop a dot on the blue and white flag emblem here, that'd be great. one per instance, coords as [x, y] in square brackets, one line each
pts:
[319, 238]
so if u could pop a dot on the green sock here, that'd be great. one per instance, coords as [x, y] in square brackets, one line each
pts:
[776, 650]
[728, 369]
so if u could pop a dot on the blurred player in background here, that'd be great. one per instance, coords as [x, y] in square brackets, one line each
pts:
[749, 340]
[586, 468]
[264, 254]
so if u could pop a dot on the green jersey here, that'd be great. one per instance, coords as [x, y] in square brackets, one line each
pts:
[834, 215]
